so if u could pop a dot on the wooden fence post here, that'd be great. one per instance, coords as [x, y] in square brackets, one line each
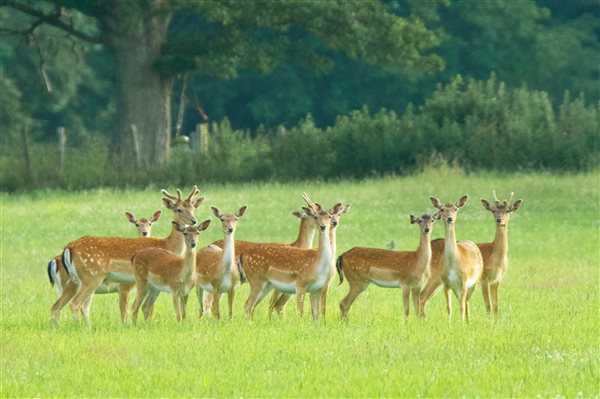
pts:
[136, 145]
[26, 154]
[62, 142]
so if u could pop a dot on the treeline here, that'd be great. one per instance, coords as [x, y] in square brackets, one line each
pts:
[478, 125]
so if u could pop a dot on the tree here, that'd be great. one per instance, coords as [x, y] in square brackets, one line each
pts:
[233, 35]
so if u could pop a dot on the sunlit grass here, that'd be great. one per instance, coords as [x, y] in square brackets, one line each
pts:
[546, 341]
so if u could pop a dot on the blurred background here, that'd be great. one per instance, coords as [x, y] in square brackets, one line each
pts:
[132, 93]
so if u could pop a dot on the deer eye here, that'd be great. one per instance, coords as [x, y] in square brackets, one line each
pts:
[179, 210]
[137, 225]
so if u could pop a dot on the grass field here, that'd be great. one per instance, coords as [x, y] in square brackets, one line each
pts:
[545, 342]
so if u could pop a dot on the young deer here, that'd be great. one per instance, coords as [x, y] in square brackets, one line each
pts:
[91, 259]
[166, 270]
[288, 269]
[58, 274]
[495, 253]
[463, 262]
[408, 270]
[278, 299]
[304, 240]
[216, 268]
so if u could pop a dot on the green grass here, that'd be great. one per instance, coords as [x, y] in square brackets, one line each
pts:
[546, 341]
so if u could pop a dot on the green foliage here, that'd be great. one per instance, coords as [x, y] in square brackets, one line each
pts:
[545, 342]
[476, 125]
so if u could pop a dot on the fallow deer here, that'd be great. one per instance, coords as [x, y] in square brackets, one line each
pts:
[216, 268]
[91, 259]
[288, 269]
[278, 299]
[462, 260]
[167, 271]
[407, 270]
[495, 256]
[495, 253]
[58, 274]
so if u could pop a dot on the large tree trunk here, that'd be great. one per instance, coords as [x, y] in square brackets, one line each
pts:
[135, 38]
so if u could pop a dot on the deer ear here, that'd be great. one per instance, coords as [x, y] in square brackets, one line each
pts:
[462, 201]
[216, 212]
[413, 219]
[436, 202]
[130, 217]
[337, 208]
[299, 214]
[198, 202]
[204, 225]
[346, 208]
[486, 205]
[155, 217]
[436, 216]
[241, 211]
[177, 226]
[516, 205]
[308, 211]
[168, 203]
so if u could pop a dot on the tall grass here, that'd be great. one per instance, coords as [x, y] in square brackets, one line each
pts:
[544, 343]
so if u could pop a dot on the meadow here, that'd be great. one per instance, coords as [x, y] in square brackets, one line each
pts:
[545, 342]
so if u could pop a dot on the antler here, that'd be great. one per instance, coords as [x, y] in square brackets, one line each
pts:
[171, 196]
[311, 204]
[496, 198]
[194, 192]
[510, 197]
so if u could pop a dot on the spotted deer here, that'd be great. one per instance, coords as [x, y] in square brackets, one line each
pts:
[495, 256]
[216, 268]
[279, 299]
[407, 270]
[91, 259]
[288, 269]
[167, 271]
[495, 253]
[462, 260]
[59, 276]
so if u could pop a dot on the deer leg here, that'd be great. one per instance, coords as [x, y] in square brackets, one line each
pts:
[485, 289]
[314, 305]
[494, 297]
[283, 299]
[200, 296]
[216, 307]
[257, 293]
[86, 290]
[355, 291]
[300, 291]
[463, 303]
[177, 304]
[69, 291]
[426, 294]
[448, 293]
[230, 297]
[208, 302]
[323, 299]
[142, 293]
[273, 301]
[124, 290]
[416, 295]
[148, 304]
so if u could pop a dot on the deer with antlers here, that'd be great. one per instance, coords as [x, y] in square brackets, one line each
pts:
[408, 270]
[495, 256]
[59, 276]
[167, 271]
[91, 259]
[288, 269]
[495, 253]
[462, 260]
[279, 299]
[216, 268]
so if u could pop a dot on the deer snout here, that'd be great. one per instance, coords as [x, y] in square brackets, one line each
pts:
[145, 233]
[322, 227]
[193, 245]
[498, 220]
[229, 230]
[334, 223]
[426, 229]
[194, 221]
[449, 219]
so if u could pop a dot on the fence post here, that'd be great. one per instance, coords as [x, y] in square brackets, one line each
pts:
[62, 142]
[26, 155]
[136, 145]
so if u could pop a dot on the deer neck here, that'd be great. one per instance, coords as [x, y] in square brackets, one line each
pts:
[306, 234]
[501, 240]
[189, 263]
[332, 240]
[175, 242]
[324, 253]
[450, 247]
[424, 252]
[227, 262]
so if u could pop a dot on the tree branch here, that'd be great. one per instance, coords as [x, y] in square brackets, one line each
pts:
[51, 19]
